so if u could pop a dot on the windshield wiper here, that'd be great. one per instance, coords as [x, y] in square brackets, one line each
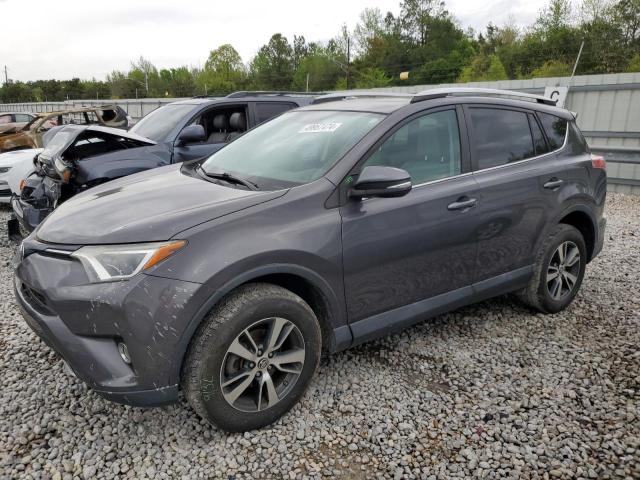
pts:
[231, 178]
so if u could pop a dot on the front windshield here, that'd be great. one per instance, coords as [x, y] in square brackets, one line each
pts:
[159, 123]
[294, 148]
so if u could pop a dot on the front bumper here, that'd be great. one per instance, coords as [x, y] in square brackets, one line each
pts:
[84, 323]
[5, 192]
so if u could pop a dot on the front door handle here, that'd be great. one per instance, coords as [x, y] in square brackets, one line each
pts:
[463, 203]
[553, 183]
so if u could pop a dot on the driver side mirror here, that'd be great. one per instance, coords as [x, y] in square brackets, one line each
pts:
[191, 134]
[383, 182]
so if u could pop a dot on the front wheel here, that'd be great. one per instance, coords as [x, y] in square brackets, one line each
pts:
[253, 358]
[558, 272]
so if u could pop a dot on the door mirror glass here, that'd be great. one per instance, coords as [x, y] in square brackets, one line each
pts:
[376, 181]
[191, 134]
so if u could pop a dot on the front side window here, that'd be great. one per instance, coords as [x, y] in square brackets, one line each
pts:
[555, 128]
[428, 148]
[500, 136]
[293, 149]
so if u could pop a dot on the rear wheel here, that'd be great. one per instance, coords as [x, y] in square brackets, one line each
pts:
[253, 358]
[558, 272]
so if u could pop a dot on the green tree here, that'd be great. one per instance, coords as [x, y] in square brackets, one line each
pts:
[484, 69]
[223, 71]
[272, 67]
[552, 68]
[370, 26]
[322, 71]
[179, 82]
[634, 64]
[416, 17]
[626, 14]
[372, 78]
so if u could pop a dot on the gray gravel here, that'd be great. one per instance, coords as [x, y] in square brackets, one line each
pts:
[488, 391]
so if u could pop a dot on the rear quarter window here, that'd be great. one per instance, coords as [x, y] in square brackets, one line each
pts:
[576, 140]
[555, 128]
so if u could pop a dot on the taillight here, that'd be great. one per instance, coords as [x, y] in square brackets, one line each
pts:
[598, 161]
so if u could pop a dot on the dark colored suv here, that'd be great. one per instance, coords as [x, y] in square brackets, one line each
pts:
[320, 229]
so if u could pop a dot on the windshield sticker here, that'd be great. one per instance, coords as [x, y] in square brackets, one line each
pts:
[320, 127]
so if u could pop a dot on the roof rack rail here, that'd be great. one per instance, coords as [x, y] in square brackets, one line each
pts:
[448, 92]
[251, 93]
[332, 97]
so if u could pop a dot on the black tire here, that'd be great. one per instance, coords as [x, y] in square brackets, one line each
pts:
[537, 294]
[202, 376]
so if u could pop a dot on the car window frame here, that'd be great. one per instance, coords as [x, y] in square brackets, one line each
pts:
[474, 159]
[465, 161]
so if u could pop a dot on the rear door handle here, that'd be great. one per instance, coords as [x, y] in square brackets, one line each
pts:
[553, 183]
[462, 203]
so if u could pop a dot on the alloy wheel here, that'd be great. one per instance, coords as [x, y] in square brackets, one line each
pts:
[262, 364]
[563, 270]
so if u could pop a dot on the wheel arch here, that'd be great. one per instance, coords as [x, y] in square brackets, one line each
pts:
[307, 284]
[581, 217]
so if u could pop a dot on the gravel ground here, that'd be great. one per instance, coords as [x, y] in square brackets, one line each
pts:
[488, 391]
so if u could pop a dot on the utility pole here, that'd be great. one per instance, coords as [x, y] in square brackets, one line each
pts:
[307, 82]
[6, 76]
[146, 81]
[575, 65]
[348, 59]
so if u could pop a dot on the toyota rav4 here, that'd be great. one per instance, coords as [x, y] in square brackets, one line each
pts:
[328, 226]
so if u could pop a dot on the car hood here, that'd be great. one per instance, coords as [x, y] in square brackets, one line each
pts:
[9, 159]
[145, 207]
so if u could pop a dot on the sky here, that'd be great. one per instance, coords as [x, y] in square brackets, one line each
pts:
[62, 39]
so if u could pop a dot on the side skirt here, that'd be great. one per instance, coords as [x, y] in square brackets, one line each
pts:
[399, 318]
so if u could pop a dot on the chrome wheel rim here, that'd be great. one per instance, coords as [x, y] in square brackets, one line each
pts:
[563, 270]
[262, 365]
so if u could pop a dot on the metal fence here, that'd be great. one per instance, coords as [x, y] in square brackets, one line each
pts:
[608, 108]
[137, 108]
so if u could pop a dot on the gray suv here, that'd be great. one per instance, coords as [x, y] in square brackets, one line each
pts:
[323, 228]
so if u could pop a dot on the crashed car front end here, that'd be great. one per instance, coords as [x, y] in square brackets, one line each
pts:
[38, 198]
[40, 192]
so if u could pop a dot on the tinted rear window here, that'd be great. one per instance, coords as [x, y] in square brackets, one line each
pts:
[500, 136]
[555, 128]
[265, 111]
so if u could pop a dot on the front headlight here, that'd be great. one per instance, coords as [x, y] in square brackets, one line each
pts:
[63, 169]
[107, 263]
[4, 170]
